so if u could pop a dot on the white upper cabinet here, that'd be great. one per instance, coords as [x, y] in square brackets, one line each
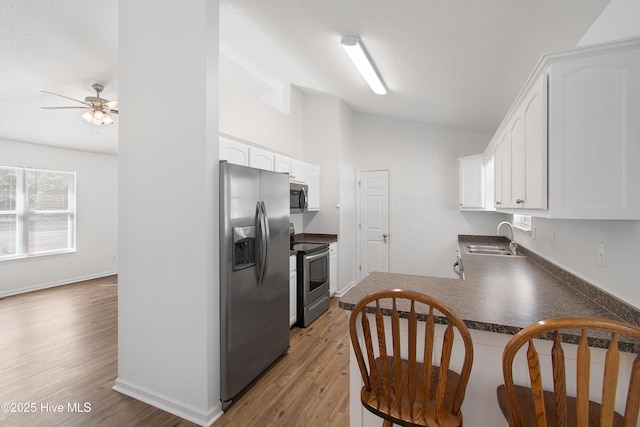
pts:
[570, 144]
[298, 171]
[261, 159]
[534, 116]
[234, 152]
[529, 149]
[502, 165]
[282, 164]
[594, 136]
[471, 170]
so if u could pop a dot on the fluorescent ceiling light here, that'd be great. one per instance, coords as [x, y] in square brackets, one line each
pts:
[358, 54]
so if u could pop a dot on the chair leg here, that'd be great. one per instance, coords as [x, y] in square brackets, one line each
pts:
[387, 423]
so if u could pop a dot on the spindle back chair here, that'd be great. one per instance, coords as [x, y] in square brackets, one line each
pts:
[542, 406]
[404, 390]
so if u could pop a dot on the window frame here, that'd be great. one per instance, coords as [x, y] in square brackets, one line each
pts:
[523, 223]
[23, 213]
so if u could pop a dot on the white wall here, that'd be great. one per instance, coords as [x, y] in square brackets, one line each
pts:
[321, 144]
[576, 240]
[423, 184]
[252, 120]
[168, 303]
[619, 20]
[96, 227]
[347, 247]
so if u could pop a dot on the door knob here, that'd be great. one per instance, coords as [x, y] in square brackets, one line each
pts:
[384, 237]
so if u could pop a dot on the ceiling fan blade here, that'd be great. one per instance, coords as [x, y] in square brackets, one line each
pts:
[113, 111]
[64, 108]
[111, 105]
[72, 99]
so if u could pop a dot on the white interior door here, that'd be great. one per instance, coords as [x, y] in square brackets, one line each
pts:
[374, 222]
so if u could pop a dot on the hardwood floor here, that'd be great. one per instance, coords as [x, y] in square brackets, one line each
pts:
[58, 362]
[309, 386]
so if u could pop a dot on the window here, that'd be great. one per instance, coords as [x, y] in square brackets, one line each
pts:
[37, 212]
[522, 222]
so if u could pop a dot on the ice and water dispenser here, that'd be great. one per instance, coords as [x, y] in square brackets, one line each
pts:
[244, 247]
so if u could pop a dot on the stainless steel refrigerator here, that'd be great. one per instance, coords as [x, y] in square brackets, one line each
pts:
[254, 274]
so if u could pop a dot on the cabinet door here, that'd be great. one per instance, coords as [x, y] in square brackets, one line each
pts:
[594, 143]
[313, 181]
[234, 152]
[333, 268]
[518, 163]
[298, 171]
[471, 170]
[502, 174]
[535, 150]
[282, 164]
[261, 159]
[293, 291]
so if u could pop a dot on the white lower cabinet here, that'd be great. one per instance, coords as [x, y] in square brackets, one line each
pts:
[333, 268]
[293, 291]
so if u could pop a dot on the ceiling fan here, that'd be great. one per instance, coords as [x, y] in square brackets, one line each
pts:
[98, 107]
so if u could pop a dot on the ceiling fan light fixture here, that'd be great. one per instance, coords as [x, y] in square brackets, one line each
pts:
[88, 116]
[360, 57]
[98, 107]
[97, 117]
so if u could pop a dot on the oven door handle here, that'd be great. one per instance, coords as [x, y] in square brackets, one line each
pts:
[314, 257]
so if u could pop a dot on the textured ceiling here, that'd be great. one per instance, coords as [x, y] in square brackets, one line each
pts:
[456, 63]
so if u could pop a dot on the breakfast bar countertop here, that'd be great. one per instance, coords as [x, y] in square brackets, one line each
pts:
[501, 294]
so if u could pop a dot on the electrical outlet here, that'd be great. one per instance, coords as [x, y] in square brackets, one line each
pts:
[602, 255]
[114, 257]
[552, 241]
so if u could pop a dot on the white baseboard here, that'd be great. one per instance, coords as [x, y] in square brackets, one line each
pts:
[39, 286]
[341, 293]
[167, 404]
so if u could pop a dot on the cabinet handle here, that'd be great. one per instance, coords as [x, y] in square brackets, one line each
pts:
[498, 203]
[519, 201]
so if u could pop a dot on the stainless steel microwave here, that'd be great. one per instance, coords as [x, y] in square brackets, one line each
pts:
[298, 197]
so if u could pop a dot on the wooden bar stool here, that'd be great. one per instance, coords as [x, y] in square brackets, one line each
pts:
[537, 406]
[402, 390]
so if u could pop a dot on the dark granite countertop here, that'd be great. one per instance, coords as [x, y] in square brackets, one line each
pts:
[313, 238]
[503, 294]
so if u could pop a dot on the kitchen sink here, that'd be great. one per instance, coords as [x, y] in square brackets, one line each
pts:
[500, 250]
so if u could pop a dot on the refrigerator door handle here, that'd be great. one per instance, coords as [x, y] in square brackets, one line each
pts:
[262, 244]
[267, 239]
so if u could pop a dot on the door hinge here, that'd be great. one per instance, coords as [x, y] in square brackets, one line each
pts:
[360, 267]
[359, 226]
[359, 183]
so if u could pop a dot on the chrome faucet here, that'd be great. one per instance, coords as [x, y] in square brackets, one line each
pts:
[512, 245]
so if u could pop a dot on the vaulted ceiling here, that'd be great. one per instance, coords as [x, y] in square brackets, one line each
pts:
[455, 63]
